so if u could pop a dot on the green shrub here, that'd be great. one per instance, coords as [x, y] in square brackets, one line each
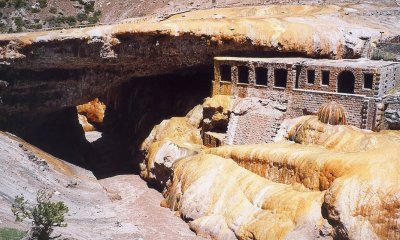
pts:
[93, 19]
[18, 3]
[89, 7]
[36, 26]
[42, 3]
[53, 10]
[70, 20]
[19, 22]
[81, 17]
[56, 21]
[45, 215]
[11, 234]
[3, 3]
[97, 13]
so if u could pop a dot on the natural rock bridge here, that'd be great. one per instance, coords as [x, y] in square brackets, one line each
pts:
[158, 61]
[67, 67]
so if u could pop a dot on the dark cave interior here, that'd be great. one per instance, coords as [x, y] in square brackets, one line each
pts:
[133, 109]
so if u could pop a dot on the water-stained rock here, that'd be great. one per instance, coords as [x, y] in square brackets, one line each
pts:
[319, 181]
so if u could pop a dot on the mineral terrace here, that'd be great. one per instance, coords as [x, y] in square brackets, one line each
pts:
[243, 119]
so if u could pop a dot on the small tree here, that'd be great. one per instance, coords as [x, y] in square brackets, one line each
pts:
[45, 215]
[19, 3]
[42, 3]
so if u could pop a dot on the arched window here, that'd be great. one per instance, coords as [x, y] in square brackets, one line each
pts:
[346, 81]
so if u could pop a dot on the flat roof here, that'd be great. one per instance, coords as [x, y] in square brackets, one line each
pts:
[353, 63]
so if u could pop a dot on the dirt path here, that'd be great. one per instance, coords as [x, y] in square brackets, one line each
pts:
[134, 202]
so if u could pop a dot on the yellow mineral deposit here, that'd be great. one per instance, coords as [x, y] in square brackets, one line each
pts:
[83, 121]
[332, 113]
[320, 178]
[91, 112]
[335, 180]
[225, 200]
[168, 141]
[288, 28]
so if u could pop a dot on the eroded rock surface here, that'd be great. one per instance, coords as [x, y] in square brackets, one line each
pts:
[318, 181]
[171, 140]
[120, 207]
[91, 113]
[73, 66]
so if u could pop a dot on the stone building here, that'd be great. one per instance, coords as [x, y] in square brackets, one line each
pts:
[302, 85]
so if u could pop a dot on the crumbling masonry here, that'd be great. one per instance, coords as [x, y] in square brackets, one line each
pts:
[367, 89]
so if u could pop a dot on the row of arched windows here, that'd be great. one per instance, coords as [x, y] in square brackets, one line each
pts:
[345, 79]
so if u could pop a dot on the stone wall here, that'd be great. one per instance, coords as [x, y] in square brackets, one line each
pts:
[392, 111]
[305, 89]
[255, 120]
[359, 109]
[334, 73]
[390, 78]
[252, 76]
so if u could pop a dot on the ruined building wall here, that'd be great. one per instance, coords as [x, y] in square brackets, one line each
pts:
[390, 78]
[247, 129]
[334, 73]
[309, 84]
[391, 118]
[254, 119]
[359, 109]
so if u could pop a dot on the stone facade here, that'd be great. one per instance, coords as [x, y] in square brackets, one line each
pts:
[302, 85]
[391, 111]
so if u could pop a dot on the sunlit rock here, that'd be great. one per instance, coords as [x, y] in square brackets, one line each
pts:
[332, 113]
[169, 141]
[91, 112]
[83, 121]
[221, 200]
[319, 181]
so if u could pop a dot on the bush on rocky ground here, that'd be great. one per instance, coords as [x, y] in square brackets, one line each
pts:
[11, 234]
[18, 3]
[45, 215]
[53, 10]
[3, 3]
[42, 3]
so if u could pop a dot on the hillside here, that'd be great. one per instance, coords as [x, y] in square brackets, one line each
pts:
[34, 15]
[31, 15]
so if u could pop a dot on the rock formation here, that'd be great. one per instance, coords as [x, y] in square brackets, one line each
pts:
[317, 180]
[73, 66]
[320, 181]
[91, 113]
[332, 113]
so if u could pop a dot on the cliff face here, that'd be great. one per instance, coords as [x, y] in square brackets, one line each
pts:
[329, 182]
[49, 70]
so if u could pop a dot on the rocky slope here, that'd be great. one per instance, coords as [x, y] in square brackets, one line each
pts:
[120, 207]
[35, 15]
[329, 182]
